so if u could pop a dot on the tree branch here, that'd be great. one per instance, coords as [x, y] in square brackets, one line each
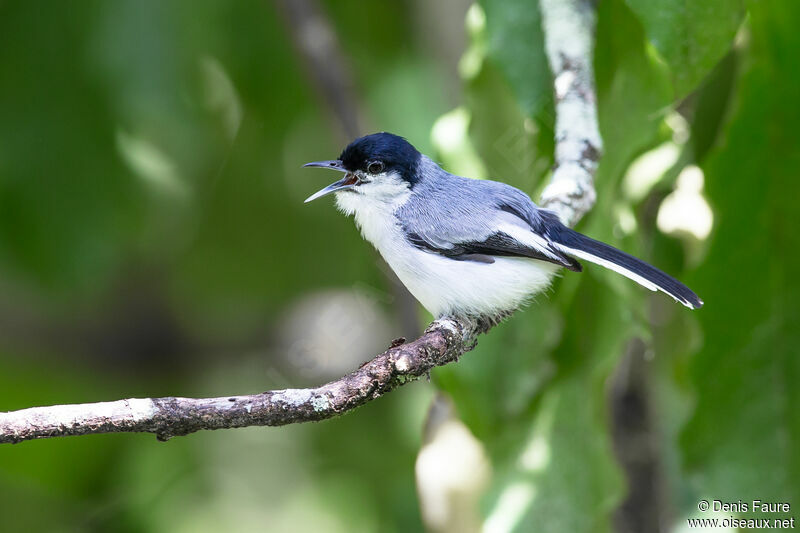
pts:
[569, 42]
[444, 341]
[569, 31]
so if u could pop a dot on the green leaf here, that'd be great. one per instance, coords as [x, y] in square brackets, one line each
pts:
[743, 441]
[515, 148]
[516, 43]
[633, 95]
[691, 36]
[509, 92]
[533, 390]
[632, 90]
[566, 463]
[713, 101]
[565, 456]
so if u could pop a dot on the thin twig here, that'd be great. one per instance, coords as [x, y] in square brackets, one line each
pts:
[569, 30]
[326, 64]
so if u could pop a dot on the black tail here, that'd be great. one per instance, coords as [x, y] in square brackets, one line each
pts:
[582, 247]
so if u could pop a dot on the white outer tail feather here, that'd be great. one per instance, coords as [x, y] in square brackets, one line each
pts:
[581, 254]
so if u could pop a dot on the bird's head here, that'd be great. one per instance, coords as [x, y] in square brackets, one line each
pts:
[379, 164]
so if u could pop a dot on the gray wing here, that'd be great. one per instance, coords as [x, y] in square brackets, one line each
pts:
[476, 220]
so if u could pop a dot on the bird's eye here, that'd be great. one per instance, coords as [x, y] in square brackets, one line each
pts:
[375, 167]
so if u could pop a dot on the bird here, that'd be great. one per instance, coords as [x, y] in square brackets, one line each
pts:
[467, 248]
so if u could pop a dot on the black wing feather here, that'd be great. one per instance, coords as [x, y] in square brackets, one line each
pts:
[497, 244]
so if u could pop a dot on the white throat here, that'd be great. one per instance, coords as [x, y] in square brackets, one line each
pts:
[442, 285]
[373, 206]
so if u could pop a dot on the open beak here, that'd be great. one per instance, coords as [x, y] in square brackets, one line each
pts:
[348, 182]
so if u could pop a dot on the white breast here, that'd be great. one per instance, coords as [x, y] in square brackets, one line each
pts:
[444, 286]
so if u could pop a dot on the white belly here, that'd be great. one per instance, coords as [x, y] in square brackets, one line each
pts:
[446, 286]
[449, 287]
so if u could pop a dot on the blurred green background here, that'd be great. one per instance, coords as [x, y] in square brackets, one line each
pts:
[153, 242]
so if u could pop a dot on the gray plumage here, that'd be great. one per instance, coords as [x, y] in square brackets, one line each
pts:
[475, 248]
[459, 217]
